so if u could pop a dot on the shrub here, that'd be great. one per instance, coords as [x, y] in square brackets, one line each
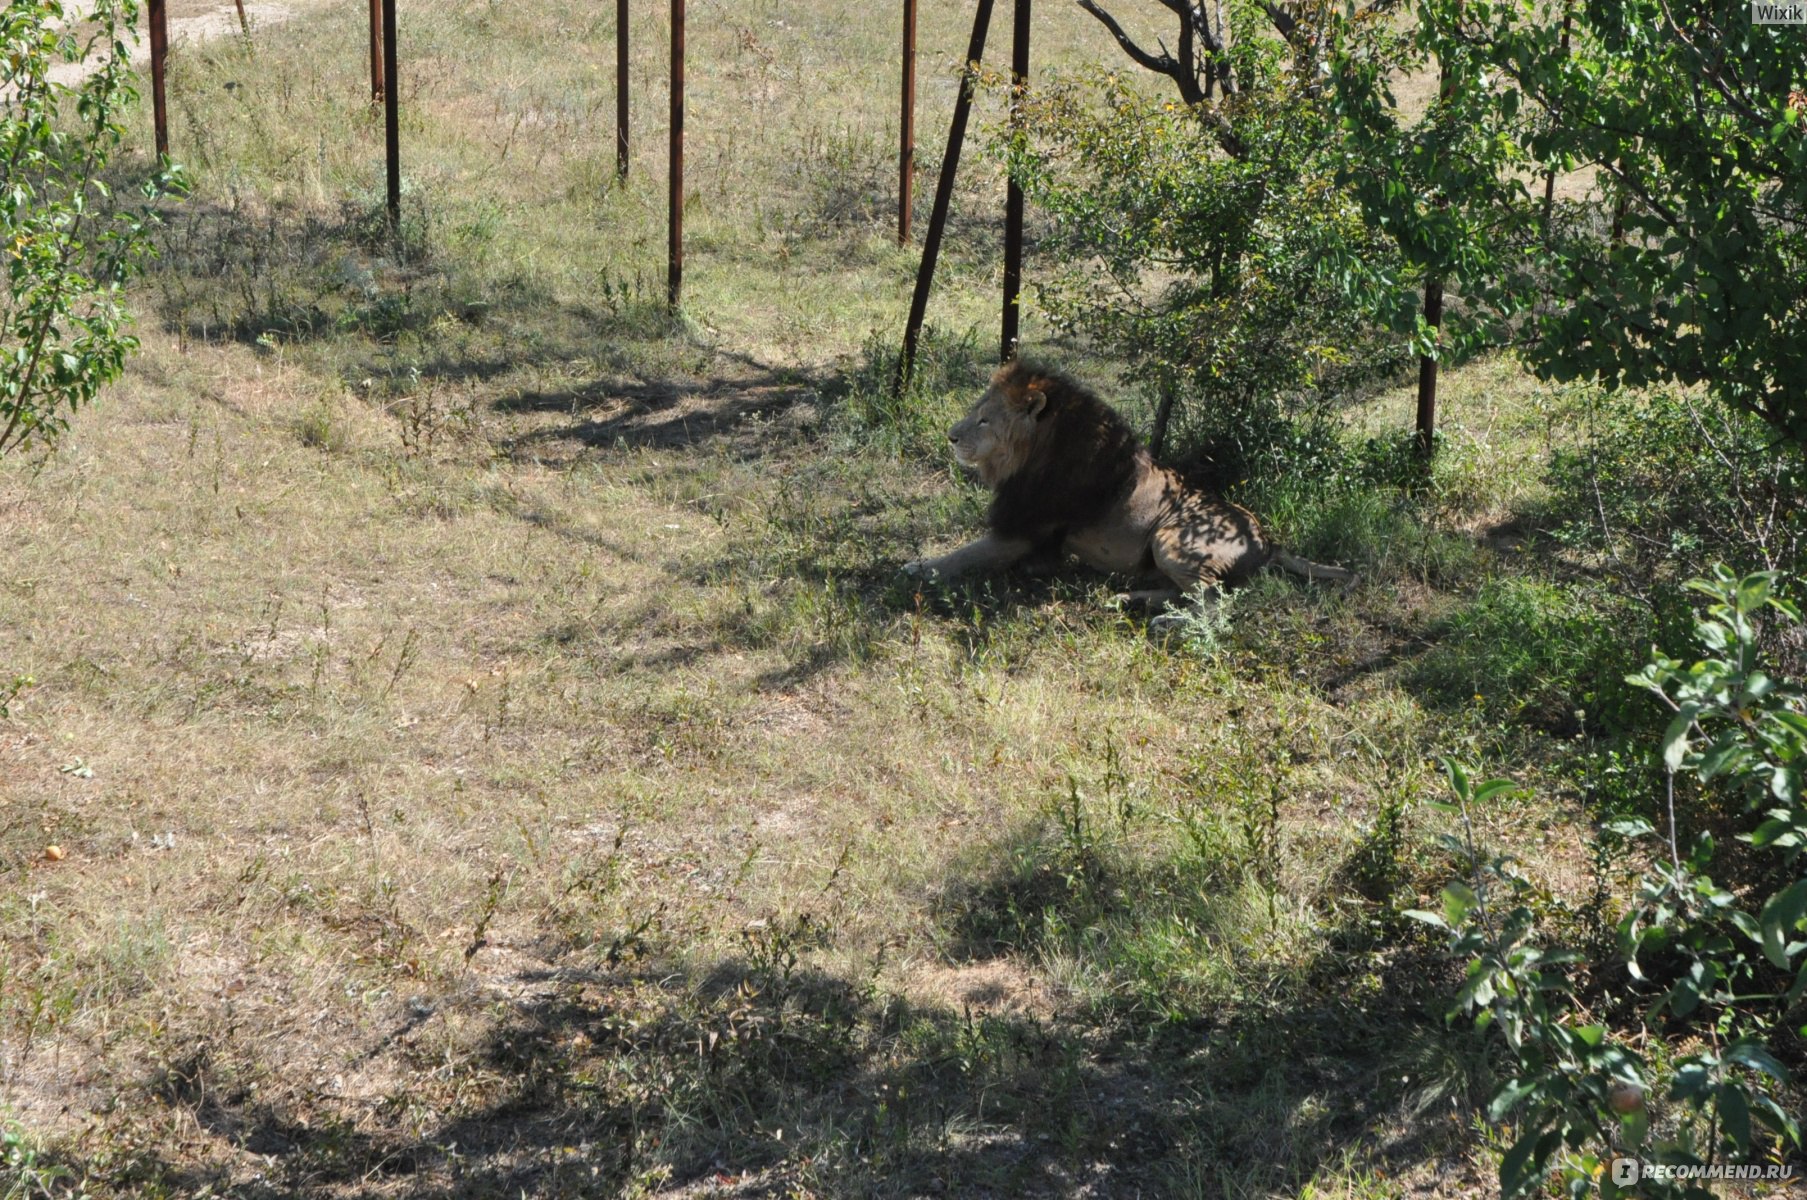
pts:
[1665, 477]
[1724, 960]
[1201, 268]
[70, 245]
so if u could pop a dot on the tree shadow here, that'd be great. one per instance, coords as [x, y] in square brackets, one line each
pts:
[742, 409]
[766, 1074]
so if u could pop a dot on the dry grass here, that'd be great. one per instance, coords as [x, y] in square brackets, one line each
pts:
[491, 752]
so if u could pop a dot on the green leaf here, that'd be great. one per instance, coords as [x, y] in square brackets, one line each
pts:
[1630, 827]
[1786, 909]
[1675, 737]
[1509, 1097]
[1748, 1052]
[1522, 1166]
[1753, 591]
[1458, 901]
[1492, 788]
[1458, 778]
[1735, 1114]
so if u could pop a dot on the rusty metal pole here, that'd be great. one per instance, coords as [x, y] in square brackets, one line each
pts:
[159, 22]
[1013, 196]
[392, 126]
[906, 143]
[376, 51]
[621, 89]
[244, 22]
[1433, 316]
[1427, 370]
[944, 195]
[674, 256]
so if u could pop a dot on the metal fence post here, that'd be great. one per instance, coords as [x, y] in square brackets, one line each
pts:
[392, 129]
[675, 248]
[159, 22]
[906, 138]
[621, 48]
[1013, 197]
[944, 194]
[376, 51]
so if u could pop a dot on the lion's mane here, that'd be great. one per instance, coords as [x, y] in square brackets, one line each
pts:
[1080, 463]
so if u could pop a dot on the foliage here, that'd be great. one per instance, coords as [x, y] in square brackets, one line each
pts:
[1730, 961]
[23, 1174]
[1665, 477]
[1445, 185]
[1200, 268]
[70, 245]
[1693, 124]
[1549, 654]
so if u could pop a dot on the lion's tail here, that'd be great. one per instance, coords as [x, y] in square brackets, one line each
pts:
[1310, 571]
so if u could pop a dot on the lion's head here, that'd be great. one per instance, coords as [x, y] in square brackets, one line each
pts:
[1056, 455]
[996, 437]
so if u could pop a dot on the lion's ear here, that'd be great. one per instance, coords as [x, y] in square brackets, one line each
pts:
[1034, 400]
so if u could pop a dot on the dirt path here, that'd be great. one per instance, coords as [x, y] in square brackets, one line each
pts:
[191, 21]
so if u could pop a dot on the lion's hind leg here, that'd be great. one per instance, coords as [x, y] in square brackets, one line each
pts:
[1195, 573]
[1178, 557]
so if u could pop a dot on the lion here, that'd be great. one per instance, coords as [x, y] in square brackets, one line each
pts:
[1070, 478]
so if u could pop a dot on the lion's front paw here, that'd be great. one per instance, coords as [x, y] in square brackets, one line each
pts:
[1166, 624]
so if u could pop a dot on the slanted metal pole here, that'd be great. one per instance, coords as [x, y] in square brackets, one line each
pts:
[621, 89]
[1013, 197]
[674, 259]
[944, 194]
[159, 22]
[392, 126]
[906, 147]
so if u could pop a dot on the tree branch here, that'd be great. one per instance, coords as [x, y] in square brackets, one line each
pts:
[1160, 64]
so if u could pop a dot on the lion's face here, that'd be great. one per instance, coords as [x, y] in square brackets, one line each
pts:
[995, 438]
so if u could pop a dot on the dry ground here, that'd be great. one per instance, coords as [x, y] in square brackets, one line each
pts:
[370, 769]
[488, 750]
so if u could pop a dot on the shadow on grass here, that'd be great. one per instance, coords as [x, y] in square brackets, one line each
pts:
[659, 414]
[765, 1076]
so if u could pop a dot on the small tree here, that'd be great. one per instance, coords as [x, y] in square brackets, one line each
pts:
[70, 245]
[1686, 263]
[1720, 958]
[1197, 237]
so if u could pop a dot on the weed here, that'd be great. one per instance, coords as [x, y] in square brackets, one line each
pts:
[9, 695]
[24, 1173]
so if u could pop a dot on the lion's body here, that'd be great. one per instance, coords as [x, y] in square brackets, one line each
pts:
[1069, 478]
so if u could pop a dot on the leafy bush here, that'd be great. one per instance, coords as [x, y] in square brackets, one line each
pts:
[1724, 961]
[70, 245]
[1693, 125]
[1202, 268]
